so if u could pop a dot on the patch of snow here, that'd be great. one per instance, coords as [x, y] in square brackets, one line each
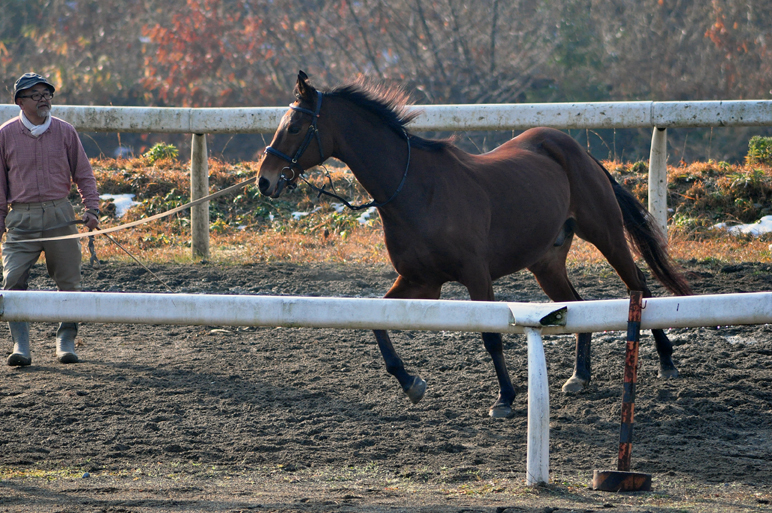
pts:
[123, 202]
[365, 217]
[760, 227]
[297, 215]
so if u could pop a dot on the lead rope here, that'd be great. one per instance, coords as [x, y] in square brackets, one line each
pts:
[133, 258]
[186, 206]
[94, 261]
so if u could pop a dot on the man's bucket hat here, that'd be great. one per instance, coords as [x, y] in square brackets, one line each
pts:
[28, 80]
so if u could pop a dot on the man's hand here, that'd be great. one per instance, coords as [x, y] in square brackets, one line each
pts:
[91, 219]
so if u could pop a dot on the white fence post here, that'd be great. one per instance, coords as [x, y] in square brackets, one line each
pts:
[199, 187]
[658, 177]
[538, 452]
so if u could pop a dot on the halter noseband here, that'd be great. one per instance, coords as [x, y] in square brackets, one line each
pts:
[312, 130]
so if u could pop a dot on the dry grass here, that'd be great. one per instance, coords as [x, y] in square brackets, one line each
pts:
[367, 488]
[248, 228]
[362, 245]
[718, 250]
[365, 245]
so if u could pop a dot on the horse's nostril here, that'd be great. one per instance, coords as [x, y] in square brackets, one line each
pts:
[263, 184]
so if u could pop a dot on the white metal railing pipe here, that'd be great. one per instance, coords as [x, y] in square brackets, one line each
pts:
[288, 311]
[658, 178]
[527, 115]
[370, 313]
[117, 119]
[644, 114]
[711, 113]
[537, 461]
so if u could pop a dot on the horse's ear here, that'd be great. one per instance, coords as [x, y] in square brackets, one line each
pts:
[302, 88]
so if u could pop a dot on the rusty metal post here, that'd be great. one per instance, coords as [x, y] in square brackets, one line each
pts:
[623, 479]
[631, 378]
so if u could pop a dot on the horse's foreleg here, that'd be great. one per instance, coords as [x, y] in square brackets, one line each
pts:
[481, 289]
[413, 386]
[503, 405]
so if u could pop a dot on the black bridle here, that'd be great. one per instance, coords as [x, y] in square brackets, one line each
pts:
[312, 131]
[293, 161]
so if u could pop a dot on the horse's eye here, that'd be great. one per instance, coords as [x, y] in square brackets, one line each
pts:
[294, 130]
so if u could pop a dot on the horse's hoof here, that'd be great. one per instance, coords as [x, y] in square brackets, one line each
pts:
[667, 373]
[500, 411]
[416, 391]
[575, 384]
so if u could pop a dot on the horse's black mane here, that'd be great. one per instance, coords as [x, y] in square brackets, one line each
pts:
[390, 105]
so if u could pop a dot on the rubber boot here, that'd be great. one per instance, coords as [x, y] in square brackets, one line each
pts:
[65, 342]
[20, 334]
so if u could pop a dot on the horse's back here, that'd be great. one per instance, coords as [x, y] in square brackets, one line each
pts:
[527, 193]
[548, 142]
[588, 181]
[551, 179]
[537, 151]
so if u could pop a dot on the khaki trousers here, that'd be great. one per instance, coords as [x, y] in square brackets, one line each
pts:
[30, 221]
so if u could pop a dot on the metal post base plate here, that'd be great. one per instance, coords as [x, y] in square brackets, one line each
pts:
[619, 481]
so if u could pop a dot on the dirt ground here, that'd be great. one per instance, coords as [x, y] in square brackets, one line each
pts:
[214, 418]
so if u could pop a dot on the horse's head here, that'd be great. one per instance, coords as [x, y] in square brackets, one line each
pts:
[296, 145]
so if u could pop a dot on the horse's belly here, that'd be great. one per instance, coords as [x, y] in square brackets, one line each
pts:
[518, 241]
[507, 259]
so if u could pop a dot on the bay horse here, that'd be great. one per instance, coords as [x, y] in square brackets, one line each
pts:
[453, 216]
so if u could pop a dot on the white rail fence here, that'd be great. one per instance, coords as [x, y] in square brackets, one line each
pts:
[345, 313]
[357, 313]
[656, 115]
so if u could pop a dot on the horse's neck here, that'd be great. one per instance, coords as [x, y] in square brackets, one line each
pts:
[376, 157]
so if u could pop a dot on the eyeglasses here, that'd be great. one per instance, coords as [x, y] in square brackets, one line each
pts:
[36, 97]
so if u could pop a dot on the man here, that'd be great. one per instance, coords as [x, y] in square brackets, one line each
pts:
[40, 157]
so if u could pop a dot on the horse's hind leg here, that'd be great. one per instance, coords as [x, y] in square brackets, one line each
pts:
[667, 368]
[551, 274]
[413, 386]
[610, 240]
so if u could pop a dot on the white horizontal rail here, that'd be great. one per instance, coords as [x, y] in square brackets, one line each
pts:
[241, 310]
[365, 313]
[432, 118]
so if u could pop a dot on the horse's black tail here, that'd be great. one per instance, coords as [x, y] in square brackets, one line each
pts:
[647, 239]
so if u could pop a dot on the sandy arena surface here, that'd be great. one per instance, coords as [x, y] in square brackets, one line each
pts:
[216, 418]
